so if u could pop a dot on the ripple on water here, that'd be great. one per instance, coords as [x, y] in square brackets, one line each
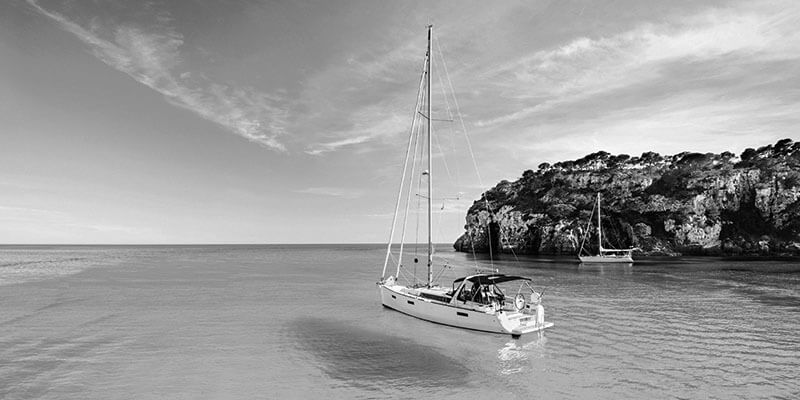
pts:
[29, 264]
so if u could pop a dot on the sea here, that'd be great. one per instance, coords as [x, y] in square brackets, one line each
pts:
[305, 322]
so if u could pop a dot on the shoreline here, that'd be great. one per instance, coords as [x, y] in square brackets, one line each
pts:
[665, 257]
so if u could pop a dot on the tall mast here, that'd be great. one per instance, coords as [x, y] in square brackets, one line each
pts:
[599, 229]
[430, 174]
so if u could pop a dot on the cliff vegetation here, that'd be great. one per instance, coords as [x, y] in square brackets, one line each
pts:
[687, 203]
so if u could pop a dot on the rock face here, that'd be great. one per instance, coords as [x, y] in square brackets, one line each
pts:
[688, 203]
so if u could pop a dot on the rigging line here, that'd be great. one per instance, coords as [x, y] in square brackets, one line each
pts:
[412, 138]
[461, 119]
[404, 275]
[513, 253]
[445, 266]
[450, 116]
[409, 190]
[489, 231]
[471, 153]
[616, 234]
[402, 182]
[422, 139]
[472, 244]
[588, 225]
[417, 213]
[408, 193]
[419, 157]
[445, 164]
[439, 224]
[444, 159]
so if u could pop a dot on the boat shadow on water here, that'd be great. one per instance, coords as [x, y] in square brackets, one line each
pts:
[367, 358]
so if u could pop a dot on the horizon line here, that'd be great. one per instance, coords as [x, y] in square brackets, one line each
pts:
[204, 244]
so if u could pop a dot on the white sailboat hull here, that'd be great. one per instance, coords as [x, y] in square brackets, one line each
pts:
[397, 297]
[606, 259]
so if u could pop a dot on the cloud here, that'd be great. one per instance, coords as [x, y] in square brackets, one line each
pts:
[368, 124]
[584, 68]
[321, 148]
[113, 229]
[46, 222]
[345, 193]
[363, 97]
[31, 214]
[153, 58]
[665, 125]
[380, 215]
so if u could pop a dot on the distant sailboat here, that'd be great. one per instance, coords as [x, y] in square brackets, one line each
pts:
[604, 255]
[476, 301]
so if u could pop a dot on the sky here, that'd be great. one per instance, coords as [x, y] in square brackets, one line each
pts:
[173, 122]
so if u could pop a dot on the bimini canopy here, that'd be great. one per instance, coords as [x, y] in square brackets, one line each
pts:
[490, 279]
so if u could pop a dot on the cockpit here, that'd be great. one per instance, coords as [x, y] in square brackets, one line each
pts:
[483, 293]
[483, 289]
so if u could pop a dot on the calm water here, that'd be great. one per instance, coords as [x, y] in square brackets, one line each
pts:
[305, 322]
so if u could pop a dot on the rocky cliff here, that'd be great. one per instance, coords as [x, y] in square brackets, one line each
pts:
[688, 203]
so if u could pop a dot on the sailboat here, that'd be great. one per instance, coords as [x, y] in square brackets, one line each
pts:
[482, 301]
[604, 255]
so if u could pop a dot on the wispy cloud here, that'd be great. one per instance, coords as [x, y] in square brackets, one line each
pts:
[588, 67]
[30, 214]
[721, 72]
[361, 100]
[153, 58]
[47, 221]
[369, 123]
[663, 126]
[380, 215]
[344, 193]
[321, 148]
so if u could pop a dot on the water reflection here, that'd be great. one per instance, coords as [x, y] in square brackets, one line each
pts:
[514, 356]
[603, 268]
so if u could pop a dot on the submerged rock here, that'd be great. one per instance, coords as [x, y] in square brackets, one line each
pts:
[688, 203]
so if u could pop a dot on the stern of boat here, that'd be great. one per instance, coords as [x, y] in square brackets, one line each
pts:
[530, 319]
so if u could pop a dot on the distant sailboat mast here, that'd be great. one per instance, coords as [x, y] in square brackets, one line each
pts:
[599, 230]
